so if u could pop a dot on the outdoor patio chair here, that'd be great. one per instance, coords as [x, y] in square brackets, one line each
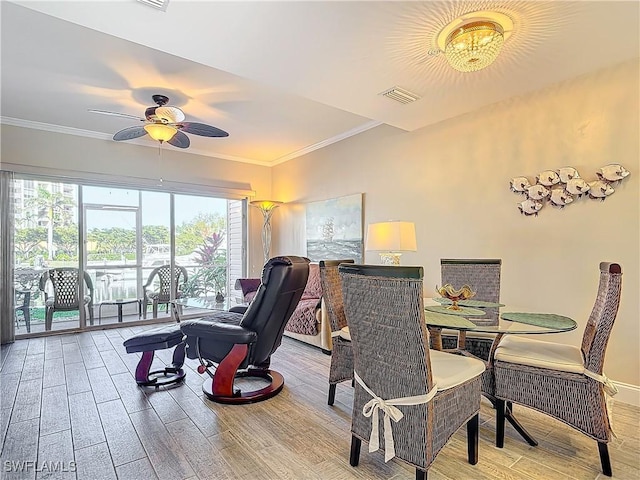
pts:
[157, 290]
[341, 368]
[22, 307]
[427, 394]
[65, 291]
[564, 381]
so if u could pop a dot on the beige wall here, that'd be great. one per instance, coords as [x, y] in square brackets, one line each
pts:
[91, 158]
[452, 180]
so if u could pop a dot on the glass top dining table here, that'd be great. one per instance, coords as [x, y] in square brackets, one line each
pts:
[515, 323]
[438, 317]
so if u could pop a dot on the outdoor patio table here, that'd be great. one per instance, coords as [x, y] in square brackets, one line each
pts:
[119, 302]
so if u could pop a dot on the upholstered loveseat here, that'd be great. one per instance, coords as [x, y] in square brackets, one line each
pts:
[309, 322]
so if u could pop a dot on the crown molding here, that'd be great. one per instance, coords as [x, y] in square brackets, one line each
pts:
[325, 143]
[17, 122]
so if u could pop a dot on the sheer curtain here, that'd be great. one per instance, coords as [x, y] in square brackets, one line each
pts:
[7, 320]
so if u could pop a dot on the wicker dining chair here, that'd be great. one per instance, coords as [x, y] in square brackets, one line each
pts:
[564, 381]
[482, 275]
[341, 368]
[428, 394]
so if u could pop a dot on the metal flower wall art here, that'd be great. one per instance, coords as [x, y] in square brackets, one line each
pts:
[561, 187]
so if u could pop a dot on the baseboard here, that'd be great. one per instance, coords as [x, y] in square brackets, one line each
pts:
[314, 340]
[628, 394]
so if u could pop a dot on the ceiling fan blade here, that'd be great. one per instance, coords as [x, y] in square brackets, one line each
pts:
[130, 133]
[179, 140]
[116, 114]
[202, 129]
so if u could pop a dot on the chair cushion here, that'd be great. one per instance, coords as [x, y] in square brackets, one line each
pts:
[449, 370]
[536, 353]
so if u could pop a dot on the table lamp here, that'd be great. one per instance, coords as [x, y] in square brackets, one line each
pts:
[391, 238]
[266, 207]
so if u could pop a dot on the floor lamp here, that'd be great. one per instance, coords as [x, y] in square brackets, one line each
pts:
[266, 207]
[391, 238]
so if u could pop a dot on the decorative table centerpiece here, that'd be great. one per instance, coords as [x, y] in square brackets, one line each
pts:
[449, 291]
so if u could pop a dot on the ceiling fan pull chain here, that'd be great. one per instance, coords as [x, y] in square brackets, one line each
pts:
[160, 163]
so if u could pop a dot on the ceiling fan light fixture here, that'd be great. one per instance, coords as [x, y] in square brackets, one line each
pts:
[165, 124]
[160, 131]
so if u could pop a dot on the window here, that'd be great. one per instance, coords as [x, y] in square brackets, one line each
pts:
[126, 234]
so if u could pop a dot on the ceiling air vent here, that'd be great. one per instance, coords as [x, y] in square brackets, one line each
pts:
[159, 4]
[400, 95]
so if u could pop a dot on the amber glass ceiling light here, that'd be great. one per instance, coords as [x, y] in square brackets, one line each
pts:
[160, 131]
[474, 40]
[474, 46]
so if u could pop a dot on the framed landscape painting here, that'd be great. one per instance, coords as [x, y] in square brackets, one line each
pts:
[334, 229]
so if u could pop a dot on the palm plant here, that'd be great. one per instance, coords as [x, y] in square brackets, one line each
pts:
[212, 274]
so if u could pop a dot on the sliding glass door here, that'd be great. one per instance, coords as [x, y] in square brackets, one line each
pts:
[45, 238]
[112, 232]
[125, 235]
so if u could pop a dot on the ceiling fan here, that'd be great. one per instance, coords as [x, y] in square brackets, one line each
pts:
[164, 123]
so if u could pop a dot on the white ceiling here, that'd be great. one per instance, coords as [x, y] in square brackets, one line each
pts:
[284, 78]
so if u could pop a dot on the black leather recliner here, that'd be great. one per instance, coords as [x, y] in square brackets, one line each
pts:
[241, 344]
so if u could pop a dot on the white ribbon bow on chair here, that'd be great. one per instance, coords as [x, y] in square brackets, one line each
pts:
[610, 390]
[371, 408]
[609, 387]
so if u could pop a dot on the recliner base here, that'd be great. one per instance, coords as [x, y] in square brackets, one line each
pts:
[158, 378]
[240, 397]
[158, 339]
[166, 376]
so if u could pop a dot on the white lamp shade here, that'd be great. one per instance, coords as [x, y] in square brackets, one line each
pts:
[391, 237]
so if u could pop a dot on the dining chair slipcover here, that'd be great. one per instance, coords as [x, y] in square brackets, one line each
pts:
[64, 283]
[401, 391]
[341, 367]
[564, 381]
[161, 293]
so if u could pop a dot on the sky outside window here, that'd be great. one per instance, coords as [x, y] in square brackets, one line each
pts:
[155, 209]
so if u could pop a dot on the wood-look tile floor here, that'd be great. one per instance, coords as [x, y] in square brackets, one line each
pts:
[70, 408]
